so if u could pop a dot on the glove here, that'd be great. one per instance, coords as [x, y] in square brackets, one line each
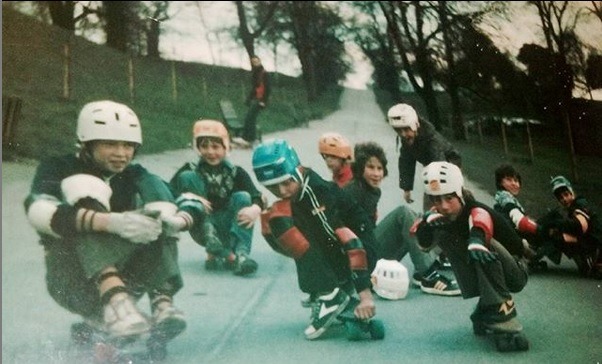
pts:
[434, 219]
[478, 252]
[172, 225]
[136, 227]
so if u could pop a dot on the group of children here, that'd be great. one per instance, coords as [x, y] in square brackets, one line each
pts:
[110, 228]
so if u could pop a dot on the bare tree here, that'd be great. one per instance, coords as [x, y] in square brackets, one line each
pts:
[260, 20]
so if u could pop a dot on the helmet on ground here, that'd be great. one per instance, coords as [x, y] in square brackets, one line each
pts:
[559, 183]
[403, 116]
[335, 144]
[390, 279]
[210, 128]
[443, 178]
[275, 161]
[108, 120]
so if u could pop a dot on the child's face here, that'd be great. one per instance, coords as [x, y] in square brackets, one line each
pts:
[113, 156]
[333, 163]
[407, 135]
[373, 172]
[285, 189]
[448, 205]
[511, 184]
[566, 198]
[213, 152]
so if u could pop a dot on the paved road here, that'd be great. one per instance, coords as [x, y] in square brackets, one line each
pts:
[259, 319]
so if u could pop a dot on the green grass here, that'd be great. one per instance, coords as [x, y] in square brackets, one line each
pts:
[33, 67]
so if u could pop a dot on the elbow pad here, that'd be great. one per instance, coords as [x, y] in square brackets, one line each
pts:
[291, 239]
[41, 212]
[479, 218]
[81, 186]
[522, 223]
[354, 248]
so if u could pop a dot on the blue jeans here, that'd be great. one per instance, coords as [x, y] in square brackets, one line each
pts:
[236, 238]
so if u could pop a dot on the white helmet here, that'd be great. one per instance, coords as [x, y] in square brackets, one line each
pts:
[390, 279]
[403, 116]
[442, 178]
[108, 120]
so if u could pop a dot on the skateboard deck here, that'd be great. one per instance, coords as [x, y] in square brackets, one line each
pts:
[507, 336]
[150, 347]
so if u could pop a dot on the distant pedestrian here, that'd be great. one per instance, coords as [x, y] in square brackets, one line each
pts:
[109, 228]
[305, 224]
[257, 100]
[486, 253]
[230, 199]
[337, 153]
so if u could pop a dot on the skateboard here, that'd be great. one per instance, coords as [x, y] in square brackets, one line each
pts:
[147, 348]
[357, 329]
[507, 336]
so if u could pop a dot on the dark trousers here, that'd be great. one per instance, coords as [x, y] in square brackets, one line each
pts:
[249, 132]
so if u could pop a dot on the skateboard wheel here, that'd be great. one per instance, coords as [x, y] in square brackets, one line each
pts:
[511, 342]
[377, 330]
[479, 329]
[81, 333]
[354, 331]
[521, 342]
[157, 351]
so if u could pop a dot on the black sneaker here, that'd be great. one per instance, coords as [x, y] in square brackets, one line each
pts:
[308, 301]
[436, 283]
[325, 312]
[491, 314]
[244, 265]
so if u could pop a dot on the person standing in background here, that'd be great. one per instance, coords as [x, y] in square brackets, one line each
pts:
[256, 101]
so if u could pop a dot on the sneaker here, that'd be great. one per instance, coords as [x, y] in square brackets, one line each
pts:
[436, 283]
[168, 321]
[244, 265]
[325, 312]
[122, 318]
[308, 301]
[494, 314]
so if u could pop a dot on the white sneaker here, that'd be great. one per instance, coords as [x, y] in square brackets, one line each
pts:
[122, 318]
[168, 321]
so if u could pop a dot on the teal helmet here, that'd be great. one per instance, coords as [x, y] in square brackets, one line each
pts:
[560, 183]
[275, 161]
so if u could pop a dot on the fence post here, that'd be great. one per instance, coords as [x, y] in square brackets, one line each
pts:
[504, 138]
[131, 77]
[66, 71]
[531, 154]
[174, 82]
[11, 112]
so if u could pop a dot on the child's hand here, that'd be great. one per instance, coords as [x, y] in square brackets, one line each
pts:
[207, 204]
[365, 309]
[247, 216]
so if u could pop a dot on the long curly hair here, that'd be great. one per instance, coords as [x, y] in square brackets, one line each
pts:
[363, 152]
